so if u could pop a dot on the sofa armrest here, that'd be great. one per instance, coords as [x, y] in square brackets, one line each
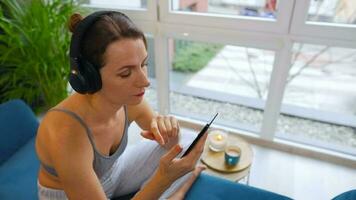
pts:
[18, 124]
[349, 195]
[214, 188]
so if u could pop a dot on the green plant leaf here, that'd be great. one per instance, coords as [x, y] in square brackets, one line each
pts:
[34, 43]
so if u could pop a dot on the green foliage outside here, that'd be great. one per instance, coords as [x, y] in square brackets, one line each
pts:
[34, 44]
[192, 56]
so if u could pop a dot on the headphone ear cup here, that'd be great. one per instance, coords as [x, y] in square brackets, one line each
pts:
[93, 78]
[78, 83]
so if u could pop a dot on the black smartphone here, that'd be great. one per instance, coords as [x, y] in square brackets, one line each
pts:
[202, 132]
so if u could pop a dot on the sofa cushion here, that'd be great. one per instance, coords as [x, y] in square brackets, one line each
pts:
[18, 175]
[349, 195]
[17, 124]
[213, 188]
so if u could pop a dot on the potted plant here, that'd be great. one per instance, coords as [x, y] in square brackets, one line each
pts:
[34, 44]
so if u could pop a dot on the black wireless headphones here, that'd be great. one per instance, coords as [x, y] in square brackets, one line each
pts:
[84, 77]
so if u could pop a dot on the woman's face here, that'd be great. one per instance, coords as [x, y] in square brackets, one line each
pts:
[124, 74]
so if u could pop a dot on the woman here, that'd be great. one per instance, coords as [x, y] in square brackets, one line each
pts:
[81, 142]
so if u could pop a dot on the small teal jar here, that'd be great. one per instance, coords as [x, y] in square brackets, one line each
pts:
[232, 155]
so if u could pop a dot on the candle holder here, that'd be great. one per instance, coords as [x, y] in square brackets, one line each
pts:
[217, 140]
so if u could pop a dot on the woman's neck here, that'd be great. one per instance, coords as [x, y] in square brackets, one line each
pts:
[99, 109]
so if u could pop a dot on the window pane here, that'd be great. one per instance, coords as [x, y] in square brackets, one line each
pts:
[254, 8]
[151, 58]
[206, 78]
[120, 3]
[151, 94]
[319, 104]
[332, 11]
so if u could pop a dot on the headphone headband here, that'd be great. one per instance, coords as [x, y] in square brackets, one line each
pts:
[77, 36]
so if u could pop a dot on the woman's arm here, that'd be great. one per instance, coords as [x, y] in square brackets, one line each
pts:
[163, 129]
[142, 114]
[72, 157]
[154, 188]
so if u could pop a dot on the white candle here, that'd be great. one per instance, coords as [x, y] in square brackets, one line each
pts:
[217, 140]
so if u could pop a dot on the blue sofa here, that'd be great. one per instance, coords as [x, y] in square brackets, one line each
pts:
[19, 164]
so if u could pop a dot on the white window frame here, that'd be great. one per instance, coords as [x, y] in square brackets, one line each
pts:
[229, 37]
[276, 90]
[230, 22]
[145, 14]
[301, 27]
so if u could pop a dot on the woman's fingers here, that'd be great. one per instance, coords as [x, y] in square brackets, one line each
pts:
[162, 128]
[175, 127]
[171, 154]
[148, 135]
[168, 125]
[195, 154]
[156, 132]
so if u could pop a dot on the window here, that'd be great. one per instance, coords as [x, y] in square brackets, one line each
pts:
[254, 8]
[136, 9]
[208, 77]
[151, 92]
[335, 11]
[275, 68]
[325, 18]
[258, 15]
[132, 4]
[319, 104]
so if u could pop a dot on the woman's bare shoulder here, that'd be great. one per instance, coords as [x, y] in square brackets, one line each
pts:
[61, 132]
[58, 126]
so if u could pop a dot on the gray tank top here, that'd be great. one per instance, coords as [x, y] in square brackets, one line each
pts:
[101, 163]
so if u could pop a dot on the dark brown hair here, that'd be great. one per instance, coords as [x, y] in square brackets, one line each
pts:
[107, 29]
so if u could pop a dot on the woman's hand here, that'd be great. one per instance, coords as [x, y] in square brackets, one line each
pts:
[164, 129]
[172, 168]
